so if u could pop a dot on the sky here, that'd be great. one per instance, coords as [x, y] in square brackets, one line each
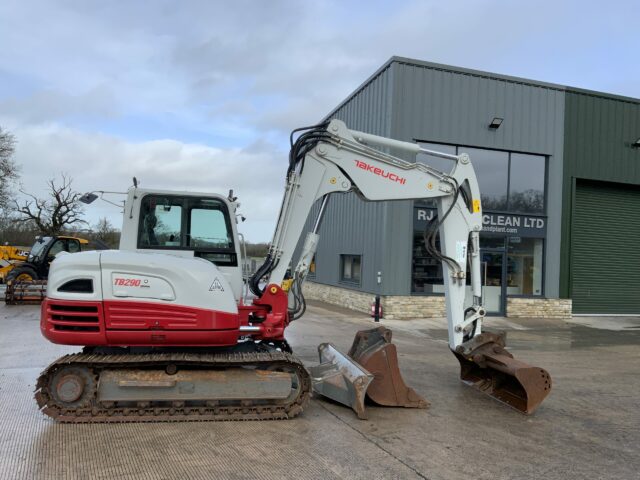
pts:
[201, 95]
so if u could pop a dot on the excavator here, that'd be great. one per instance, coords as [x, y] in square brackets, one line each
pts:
[168, 333]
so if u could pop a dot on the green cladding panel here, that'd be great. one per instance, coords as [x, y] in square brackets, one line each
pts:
[605, 263]
[598, 146]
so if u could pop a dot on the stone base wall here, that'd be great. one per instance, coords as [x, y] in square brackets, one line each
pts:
[343, 297]
[393, 307]
[538, 307]
[397, 307]
[413, 306]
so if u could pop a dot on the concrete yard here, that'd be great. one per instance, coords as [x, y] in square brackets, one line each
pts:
[589, 427]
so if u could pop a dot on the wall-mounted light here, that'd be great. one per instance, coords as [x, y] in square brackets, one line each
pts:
[636, 144]
[495, 123]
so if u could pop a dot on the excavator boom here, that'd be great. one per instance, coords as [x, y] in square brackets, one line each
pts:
[329, 159]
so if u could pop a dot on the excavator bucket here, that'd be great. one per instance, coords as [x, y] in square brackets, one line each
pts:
[341, 379]
[488, 367]
[373, 351]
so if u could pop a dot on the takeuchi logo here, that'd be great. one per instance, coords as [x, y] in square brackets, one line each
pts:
[380, 172]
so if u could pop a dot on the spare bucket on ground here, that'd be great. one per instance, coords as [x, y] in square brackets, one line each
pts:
[341, 379]
[373, 351]
[369, 370]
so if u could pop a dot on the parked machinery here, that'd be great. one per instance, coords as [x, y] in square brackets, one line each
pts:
[27, 280]
[169, 335]
[9, 257]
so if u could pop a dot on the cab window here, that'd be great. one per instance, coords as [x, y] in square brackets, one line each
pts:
[184, 223]
[208, 228]
[57, 247]
[74, 246]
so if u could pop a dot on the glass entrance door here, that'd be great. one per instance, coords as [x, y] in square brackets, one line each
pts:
[493, 280]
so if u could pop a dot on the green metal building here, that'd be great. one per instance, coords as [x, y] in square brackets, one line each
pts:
[600, 268]
[559, 171]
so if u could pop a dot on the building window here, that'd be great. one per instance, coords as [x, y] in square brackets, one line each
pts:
[526, 183]
[350, 268]
[524, 266]
[509, 182]
[512, 186]
[492, 169]
[426, 274]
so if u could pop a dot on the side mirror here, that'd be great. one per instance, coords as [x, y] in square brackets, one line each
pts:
[88, 198]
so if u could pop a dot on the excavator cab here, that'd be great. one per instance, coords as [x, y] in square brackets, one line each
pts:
[185, 224]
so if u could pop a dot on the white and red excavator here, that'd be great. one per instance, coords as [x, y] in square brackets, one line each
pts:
[169, 334]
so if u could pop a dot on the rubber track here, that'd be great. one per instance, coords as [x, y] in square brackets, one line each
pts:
[96, 413]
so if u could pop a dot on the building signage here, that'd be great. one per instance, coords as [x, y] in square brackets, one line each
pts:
[496, 223]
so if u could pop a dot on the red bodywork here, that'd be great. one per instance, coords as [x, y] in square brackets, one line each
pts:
[149, 323]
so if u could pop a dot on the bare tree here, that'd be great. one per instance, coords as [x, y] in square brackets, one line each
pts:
[52, 215]
[17, 233]
[106, 232]
[9, 171]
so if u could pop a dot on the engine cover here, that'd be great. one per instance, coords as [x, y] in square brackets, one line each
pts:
[128, 298]
[133, 276]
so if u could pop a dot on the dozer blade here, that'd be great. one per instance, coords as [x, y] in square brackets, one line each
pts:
[341, 379]
[488, 367]
[373, 351]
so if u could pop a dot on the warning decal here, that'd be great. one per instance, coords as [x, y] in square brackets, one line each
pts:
[216, 285]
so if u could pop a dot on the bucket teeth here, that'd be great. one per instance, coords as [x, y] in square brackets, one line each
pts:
[487, 366]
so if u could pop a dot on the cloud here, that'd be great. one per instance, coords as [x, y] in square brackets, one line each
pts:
[47, 105]
[290, 62]
[202, 94]
[100, 162]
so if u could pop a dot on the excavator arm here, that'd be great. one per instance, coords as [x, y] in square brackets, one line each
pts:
[330, 158]
[339, 160]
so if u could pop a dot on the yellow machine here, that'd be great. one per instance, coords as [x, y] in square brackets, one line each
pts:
[9, 256]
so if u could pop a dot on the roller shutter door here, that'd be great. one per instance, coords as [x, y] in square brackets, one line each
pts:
[605, 249]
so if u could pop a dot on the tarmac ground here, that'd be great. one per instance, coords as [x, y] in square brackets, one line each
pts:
[589, 427]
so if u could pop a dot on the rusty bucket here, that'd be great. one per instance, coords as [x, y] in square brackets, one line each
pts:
[373, 351]
[487, 366]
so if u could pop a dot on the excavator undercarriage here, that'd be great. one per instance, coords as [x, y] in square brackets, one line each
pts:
[104, 385]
